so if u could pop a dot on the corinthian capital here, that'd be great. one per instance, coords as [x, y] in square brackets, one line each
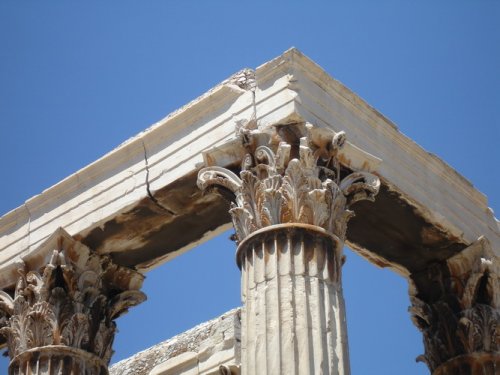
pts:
[290, 180]
[66, 307]
[457, 307]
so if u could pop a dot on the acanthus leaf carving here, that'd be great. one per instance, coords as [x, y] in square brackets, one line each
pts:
[293, 191]
[70, 302]
[272, 205]
[463, 319]
[242, 220]
[274, 187]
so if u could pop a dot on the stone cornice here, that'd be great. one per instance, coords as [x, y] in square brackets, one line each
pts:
[290, 88]
[326, 102]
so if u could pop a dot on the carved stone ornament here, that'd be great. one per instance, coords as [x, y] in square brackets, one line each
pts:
[460, 321]
[290, 178]
[290, 207]
[61, 318]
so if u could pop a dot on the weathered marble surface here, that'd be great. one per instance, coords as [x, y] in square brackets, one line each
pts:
[61, 316]
[290, 207]
[201, 350]
[130, 200]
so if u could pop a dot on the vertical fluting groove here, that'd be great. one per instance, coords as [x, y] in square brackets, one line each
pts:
[296, 302]
[329, 327]
[268, 318]
[244, 301]
[277, 305]
[315, 324]
[249, 345]
[307, 312]
[287, 314]
[321, 312]
[54, 364]
[271, 307]
[260, 285]
[344, 344]
[338, 334]
[327, 332]
[292, 308]
[302, 326]
[251, 316]
[325, 367]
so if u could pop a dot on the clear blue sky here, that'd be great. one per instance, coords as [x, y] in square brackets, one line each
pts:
[77, 79]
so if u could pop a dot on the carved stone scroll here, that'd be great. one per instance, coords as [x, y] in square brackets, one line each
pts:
[460, 318]
[290, 208]
[61, 317]
[282, 183]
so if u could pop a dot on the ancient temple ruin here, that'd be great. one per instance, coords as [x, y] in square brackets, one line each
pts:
[299, 166]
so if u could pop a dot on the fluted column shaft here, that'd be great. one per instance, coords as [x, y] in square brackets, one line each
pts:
[55, 360]
[293, 318]
[291, 205]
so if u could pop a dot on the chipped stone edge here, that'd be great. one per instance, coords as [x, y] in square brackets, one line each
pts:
[201, 343]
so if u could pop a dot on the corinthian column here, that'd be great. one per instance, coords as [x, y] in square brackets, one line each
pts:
[290, 210]
[456, 305]
[61, 318]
